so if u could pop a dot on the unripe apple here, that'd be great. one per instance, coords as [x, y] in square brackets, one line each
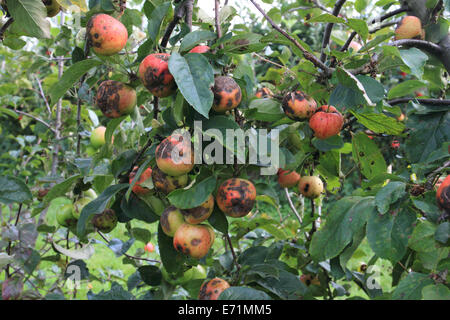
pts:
[212, 289]
[171, 219]
[98, 137]
[287, 179]
[410, 27]
[175, 156]
[90, 193]
[105, 221]
[310, 186]
[193, 240]
[79, 205]
[65, 216]
[201, 213]
[326, 122]
[106, 34]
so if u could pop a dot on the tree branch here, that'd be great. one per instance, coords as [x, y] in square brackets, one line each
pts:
[4, 27]
[291, 205]
[433, 102]
[326, 37]
[37, 119]
[432, 175]
[309, 56]
[179, 13]
[373, 21]
[216, 19]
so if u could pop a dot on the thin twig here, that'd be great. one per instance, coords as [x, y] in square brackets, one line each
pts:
[8, 250]
[309, 56]
[37, 119]
[291, 205]
[5, 26]
[125, 254]
[432, 175]
[43, 95]
[232, 252]
[329, 28]
[179, 13]
[216, 19]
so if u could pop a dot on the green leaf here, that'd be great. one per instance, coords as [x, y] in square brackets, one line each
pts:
[405, 88]
[141, 234]
[156, 19]
[243, 293]
[98, 205]
[264, 110]
[410, 288]
[422, 238]
[171, 258]
[116, 293]
[380, 123]
[151, 275]
[194, 77]
[194, 196]
[334, 142]
[120, 247]
[13, 189]
[389, 194]
[14, 43]
[30, 16]
[70, 77]
[135, 208]
[196, 37]
[360, 26]
[415, 60]
[326, 17]
[388, 234]
[349, 80]
[346, 217]
[287, 286]
[218, 220]
[367, 155]
[436, 292]
[380, 179]
[442, 232]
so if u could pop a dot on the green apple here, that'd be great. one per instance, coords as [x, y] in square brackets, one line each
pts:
[65, 216]
[79, 205]
[98, 137]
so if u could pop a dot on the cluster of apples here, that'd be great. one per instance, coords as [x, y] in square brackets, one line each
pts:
[68, 214]
[174, 160]
[309, 186]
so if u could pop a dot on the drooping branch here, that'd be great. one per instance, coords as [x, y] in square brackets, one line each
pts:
[309, 56]
[433, 102]
[291, 205]
[37, 119]
[326, 37]
[373, 21]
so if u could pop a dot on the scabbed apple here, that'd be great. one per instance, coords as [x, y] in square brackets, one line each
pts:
[287, 179]
[165, 183]
[201, 213]
[155, 75]
[138, 188]
[193, 239]
[443, 194]
[326, 122]
[236, 197]
[298, 106]
[410, 27]
[171, 219]
[211, 290]
[310, 186]
[115, 98]
[308, 280]
[98, 137]
[105, 221]
[227, 94]
[106, 34]
[174, 155]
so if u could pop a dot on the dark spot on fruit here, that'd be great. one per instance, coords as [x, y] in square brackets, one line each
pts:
[306, 188]
[96, 36]
[195, 242]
